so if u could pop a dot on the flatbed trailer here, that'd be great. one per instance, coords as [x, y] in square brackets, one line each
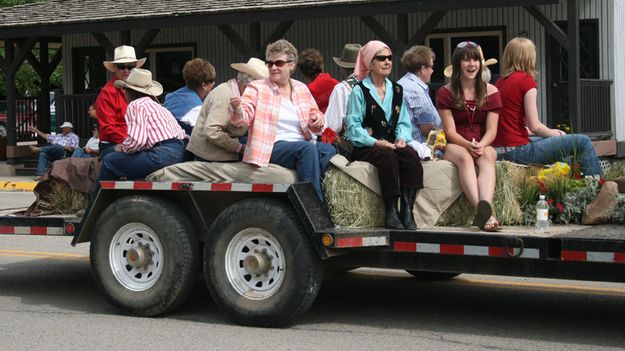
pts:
[264, 248]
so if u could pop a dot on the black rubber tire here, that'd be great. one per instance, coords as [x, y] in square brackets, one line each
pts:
[303, 270]
[180, 259]
[425, 275]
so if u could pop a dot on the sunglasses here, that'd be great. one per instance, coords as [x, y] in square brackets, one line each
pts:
[278, 63]
[383, 58]
[121, 66]
[465, 43]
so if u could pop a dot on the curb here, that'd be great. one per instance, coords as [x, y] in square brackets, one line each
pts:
[17, 186]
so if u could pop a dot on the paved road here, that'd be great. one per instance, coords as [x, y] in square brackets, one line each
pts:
[48, 301]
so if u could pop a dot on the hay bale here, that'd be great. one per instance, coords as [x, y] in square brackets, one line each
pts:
[55, 196]
[505, 202]
[350, 203]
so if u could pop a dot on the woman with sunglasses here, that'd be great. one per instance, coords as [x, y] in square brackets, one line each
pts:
[469, 109]
[518, 90]
[379, 128]
[283, 118]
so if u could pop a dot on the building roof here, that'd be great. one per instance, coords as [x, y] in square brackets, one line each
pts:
[55, 17]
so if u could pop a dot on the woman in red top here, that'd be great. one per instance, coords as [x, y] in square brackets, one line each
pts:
[518, 94]
[320, 84]
[469, 109]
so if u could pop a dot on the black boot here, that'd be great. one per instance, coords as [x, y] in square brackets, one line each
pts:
[406, 215]
[392, 220]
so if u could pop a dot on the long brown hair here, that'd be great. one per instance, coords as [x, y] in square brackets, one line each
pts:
[467, 52]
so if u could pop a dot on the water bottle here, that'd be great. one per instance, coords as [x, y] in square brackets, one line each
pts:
[542, 213]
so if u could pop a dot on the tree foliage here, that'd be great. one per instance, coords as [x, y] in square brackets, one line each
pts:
[27, 81]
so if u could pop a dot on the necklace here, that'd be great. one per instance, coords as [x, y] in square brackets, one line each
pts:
[471, 116]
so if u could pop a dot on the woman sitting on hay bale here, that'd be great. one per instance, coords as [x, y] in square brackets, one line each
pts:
[518, 89]
[376, 105]
[469, 110]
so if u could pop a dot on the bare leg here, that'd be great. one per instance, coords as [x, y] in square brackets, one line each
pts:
[487, 175]
[466, 171]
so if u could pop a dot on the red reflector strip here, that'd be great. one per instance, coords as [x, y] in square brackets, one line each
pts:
[7, 230]
[142, 186]
[38, 230]
[262, 188]
[349, 242]
[463, 250]
[570, 255]
[221, 187]
[107, 184]
[619, 257]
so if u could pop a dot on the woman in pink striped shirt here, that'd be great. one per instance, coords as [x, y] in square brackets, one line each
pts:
[283, 118]
[154, 137]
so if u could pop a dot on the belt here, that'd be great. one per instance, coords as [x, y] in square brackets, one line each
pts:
[168, 141]
[505, 149]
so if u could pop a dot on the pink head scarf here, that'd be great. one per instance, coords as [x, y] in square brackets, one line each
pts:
[365, 55]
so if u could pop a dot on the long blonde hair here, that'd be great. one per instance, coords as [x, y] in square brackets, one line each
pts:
[519, 55]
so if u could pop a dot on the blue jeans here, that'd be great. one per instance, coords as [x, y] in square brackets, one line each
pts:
[310, 161]
[553, 149]
[139, 164]
[49, 154]
[80, 152]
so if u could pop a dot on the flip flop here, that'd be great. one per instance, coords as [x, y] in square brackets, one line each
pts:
[484, 211]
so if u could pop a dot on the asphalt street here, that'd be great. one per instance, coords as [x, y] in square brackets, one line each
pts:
[48, 301]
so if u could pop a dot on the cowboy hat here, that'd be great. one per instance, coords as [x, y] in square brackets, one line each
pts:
[123, 54]
[254, 67]
[348, 56]
[67, 125]
[141, 80]
[449, 70]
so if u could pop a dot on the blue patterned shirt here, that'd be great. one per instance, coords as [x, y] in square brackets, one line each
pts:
[419, 105]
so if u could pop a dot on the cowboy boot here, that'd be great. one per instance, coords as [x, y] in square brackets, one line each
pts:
[406, 215]
[391, 219]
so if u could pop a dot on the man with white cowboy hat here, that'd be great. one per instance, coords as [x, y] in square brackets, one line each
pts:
[154, 137]
[60, 145]
[337, 105]
[214, 138]
[111, 104]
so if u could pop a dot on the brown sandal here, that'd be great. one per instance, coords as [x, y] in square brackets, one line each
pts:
[483, 214]
[492, 225]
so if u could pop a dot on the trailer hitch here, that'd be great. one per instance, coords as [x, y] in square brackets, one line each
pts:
[513, 243]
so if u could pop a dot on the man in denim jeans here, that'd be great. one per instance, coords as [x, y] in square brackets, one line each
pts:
[60, 145]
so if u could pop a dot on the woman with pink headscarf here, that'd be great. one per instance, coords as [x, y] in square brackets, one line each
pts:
[379, 127]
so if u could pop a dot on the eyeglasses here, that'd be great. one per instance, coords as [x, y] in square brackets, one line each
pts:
[465, 43]
[383, 58]
[278, 63]
[121, 66]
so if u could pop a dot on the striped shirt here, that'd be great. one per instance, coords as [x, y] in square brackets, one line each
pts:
[260, 110]
[69, 139]
[149, 123]
[420, 106]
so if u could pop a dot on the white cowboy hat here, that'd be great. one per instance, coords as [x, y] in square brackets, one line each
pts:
[449, 70]
[348, 56]
[254, 67]
[141, 80]
[123, 54]
[67, 125]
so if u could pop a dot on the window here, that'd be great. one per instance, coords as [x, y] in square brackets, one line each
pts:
[166, 64]
[444, 44]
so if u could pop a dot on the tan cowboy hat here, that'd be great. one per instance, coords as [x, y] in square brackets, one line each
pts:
[67, 125]
[141, 80]
[348, 56]
[254, 67]
[449, 70]
[123, 54]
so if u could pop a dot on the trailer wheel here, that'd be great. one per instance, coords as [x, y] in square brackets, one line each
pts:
[145, 255]
[425, 275]
[260, 265]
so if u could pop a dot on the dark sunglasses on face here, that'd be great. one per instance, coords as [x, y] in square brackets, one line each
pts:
[278, 63]
[465, 43]
[383, 58]
[121, 66]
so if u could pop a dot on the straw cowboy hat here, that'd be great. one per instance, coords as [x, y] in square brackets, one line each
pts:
[141, 80]
[449, 70]
[123, 54]
[67, 125]
[254, 67]
[348, 56]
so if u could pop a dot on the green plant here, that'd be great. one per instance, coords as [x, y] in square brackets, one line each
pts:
[575, 202]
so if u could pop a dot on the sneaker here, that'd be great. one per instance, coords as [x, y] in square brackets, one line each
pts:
[34, 149]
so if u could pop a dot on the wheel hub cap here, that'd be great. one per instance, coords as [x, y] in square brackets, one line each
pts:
[257, 263]
[139, 256]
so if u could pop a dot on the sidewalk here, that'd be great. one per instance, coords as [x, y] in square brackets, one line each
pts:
[17, 183]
